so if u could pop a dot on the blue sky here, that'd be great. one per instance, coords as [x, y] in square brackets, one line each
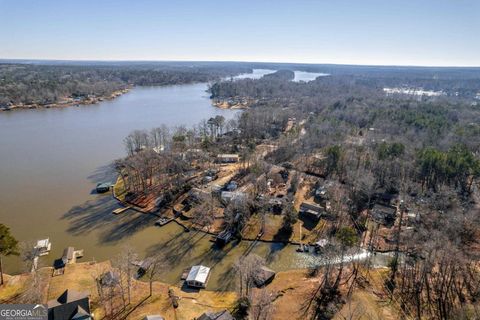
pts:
[386, 32]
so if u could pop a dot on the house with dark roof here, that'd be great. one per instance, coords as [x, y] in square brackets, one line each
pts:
[71, 305]
[384, 214]
[311, 210]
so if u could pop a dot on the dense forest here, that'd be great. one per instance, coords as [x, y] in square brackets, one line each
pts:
[421, 150]
[416, 155]
[44, 84]
[419, 154]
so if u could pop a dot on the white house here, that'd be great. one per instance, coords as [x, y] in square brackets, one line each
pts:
[198, 276]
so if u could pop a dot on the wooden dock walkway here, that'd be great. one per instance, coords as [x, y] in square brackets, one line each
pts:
[120, 210]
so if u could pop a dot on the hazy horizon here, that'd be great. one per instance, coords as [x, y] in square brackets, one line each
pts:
[372, 32]
[233, 61]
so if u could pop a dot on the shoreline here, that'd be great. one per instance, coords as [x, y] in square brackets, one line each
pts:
[227, 104]
[68, 102]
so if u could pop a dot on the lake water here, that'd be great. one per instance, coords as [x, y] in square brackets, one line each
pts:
[256, 74]
[307, 76]
[51, 160]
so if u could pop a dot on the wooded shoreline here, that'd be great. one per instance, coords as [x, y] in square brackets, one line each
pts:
[68, 102]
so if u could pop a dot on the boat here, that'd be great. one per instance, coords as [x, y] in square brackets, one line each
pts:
[43, 247]
[103, 187]
[162, 221]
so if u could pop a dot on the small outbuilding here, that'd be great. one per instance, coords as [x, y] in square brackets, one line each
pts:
[153, 317]
[144, 266]
[264, 276]
[109, 279]
[68, 255]
[221, 315]
[223, 238]
[198, 276]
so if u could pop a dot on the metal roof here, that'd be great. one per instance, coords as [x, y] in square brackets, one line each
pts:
[199, 274]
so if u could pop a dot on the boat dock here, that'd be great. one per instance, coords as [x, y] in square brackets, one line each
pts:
[163, 221]
[42, 248]
[121, 210]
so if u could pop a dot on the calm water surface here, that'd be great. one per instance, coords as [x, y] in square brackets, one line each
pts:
[307, 76]
[256, 74]
[51, 160]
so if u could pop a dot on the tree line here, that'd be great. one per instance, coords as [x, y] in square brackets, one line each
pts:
[46, 84]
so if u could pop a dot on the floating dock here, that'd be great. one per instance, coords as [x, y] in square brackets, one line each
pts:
[121, 210]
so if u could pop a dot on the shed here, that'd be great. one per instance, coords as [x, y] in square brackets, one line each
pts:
[223, 237]
[68, 255]
[144, 265]
[198, 276]
[264, 276]
[221, 315]
[109, 279]
[153, 317]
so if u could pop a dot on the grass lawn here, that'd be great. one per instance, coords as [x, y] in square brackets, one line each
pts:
[81, 277]
[119, 189]
[291, 290]
[370, 302]
[13, 285]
